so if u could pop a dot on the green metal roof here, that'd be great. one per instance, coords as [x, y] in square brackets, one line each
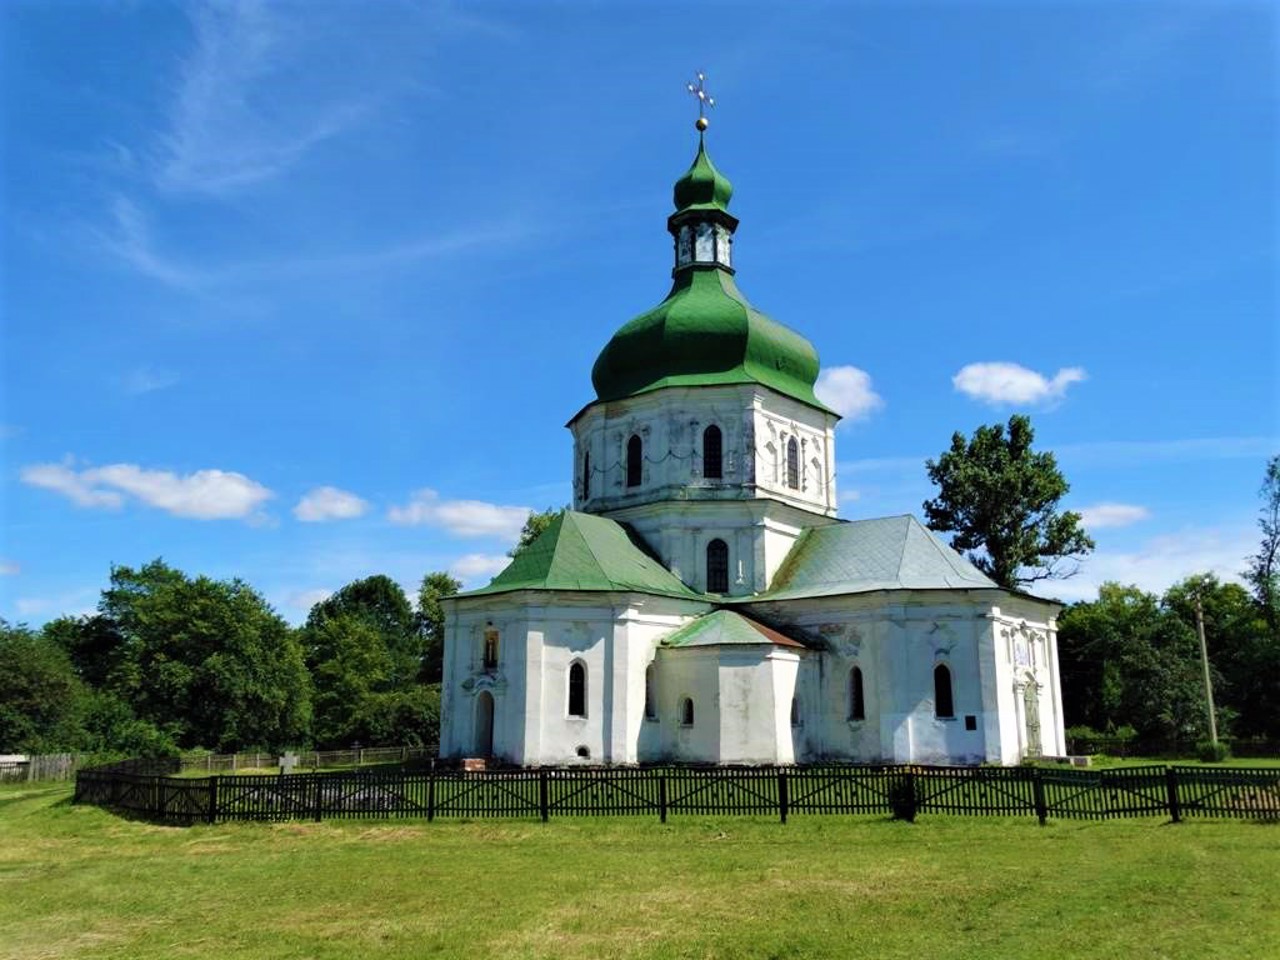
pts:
[702, 187]
[579, 551]
[724, 627]
[889, 553]
[705, 333]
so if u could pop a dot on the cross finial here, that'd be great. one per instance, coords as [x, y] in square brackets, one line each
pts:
[705, 100]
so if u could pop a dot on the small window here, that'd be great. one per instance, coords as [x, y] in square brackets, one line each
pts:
[712, 453]
[650, 701]
[717, 567]
[943, 704]
[793, 464]
[635, 461]
[491, 648]
[857, 706]
[795, 711]
[577, 690]
[586, 475]
[686, 712]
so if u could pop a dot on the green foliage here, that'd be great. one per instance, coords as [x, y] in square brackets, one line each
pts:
[1210, 752]
[207, 660]
[435, 586]
[1085, 740]
[380, 602]
[41, 699]
[999, 501]
[1264, 566]
[534, 526]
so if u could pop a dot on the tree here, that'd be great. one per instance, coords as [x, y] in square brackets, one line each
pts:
[999, 501]
[1263, 573]
[534, 526]
[207, 660]
[380, 602]
[41, 699]
[435, 586]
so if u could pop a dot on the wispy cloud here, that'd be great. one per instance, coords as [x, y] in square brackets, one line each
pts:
[462, 518]
[1116, 452]
[478, 566]
[1007, 384]
[9, 569]
[306, 599]
[329, 503]
[848, 391]
[1101, 515]
[203, 495]
[147, 380]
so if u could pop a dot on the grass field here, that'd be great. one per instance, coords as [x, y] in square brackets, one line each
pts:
[80, 882]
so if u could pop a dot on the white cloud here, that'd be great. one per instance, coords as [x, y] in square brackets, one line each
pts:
[476, 566]
[848, 391]
[462, 518]
[147, 380]
[204, 495]
[1159, 562]
[1112, 515]
[9, 569]
[329, 503]
[1002, 384]
[306, 599]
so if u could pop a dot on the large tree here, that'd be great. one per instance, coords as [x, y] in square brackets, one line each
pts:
[999, 499]
[534, 526]
[381, 603]
[41, 699]
[1264, 566]
[207, 660]
[435, 586]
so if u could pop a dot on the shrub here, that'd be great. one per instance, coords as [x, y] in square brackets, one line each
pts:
[1210, 752]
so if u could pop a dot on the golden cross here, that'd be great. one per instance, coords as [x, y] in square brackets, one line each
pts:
[699, 90]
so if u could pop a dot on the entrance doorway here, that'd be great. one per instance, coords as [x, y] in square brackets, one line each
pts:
[484, 724]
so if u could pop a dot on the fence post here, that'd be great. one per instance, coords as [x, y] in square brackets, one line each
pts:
[1171, 789]
[662, 798]
[431, 794]
[782, 795]
[1037, 788]
[213, 799]
[542, 794]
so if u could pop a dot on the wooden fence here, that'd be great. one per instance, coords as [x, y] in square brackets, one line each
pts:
[1164, 748]
[150, 789]
[41, 766]
[358, 756]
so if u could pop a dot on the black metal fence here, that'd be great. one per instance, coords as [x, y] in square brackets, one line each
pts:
[148, 789]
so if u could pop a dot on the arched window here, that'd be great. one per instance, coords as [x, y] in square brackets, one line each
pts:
[793, 464]
[795, 711]
[943, 704]
[650, 700]
[491, 648]
[857, 706]
[586, 475]
[712, 453]
[686, 712]
[635, 460]
[717, 567]
[577, 689]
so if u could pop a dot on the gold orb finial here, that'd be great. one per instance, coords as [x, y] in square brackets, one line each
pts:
[699, 91]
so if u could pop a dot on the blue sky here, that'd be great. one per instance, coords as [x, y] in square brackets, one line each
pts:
[305, 292]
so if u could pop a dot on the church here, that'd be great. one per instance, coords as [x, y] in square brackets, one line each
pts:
[703, 603]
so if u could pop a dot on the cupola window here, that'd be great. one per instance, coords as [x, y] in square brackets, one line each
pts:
[857, 705]
[712, 453]
[793, 464]
[943, 704]
[717, 567]
[586, 475]
[635, 461]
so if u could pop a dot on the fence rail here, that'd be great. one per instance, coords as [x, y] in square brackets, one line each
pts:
[150, 789]
[1165, 748]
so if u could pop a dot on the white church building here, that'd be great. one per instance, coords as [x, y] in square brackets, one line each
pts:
[703, 603]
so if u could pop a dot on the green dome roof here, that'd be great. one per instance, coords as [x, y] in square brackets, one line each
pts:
[703, 187]
[704, 334]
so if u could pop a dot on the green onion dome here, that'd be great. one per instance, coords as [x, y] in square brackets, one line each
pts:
[704, 333]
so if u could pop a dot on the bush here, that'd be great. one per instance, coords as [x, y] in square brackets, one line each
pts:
[1210, 752]
[1088, 741]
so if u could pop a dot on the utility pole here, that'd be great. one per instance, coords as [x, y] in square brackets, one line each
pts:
[1208, 680]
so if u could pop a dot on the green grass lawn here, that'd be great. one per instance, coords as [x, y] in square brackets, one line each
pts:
[80, 882]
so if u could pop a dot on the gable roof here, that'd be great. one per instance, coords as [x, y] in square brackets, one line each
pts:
[888, 553]
[721, 627]
[580, 551]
